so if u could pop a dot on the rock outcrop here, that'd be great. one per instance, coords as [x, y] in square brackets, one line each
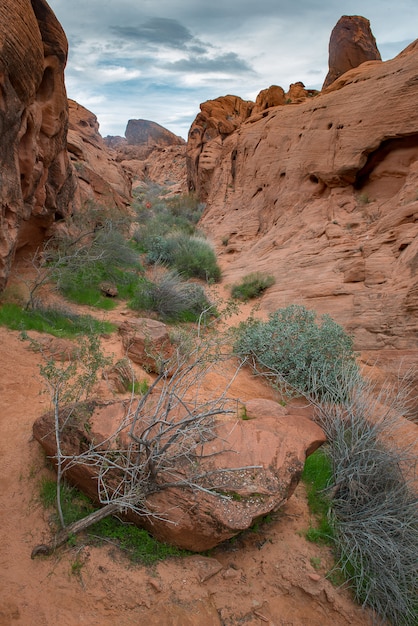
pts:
[257, 463]
[101, 178]
[351, 44]
[151, 152]
[145, 132]
[323, 195]
[36, 178]
[220, 118]
[147, 342]
[216, 121]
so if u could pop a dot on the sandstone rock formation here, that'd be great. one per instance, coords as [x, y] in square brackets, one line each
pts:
[323, 195]
[145, 132]
[217, 119]
[36, 178]
[100, 177]
[146, 341]
[220, 118]
[141, 138]
[351, 44]
[150, 152]
[273, 447]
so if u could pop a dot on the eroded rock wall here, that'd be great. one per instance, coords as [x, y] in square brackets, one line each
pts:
[36, 178]
[101, 178]
[323, 195]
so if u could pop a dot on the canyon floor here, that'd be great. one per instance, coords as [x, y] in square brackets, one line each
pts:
[270, 576]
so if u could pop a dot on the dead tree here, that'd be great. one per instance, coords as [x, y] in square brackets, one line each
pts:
[160, 442]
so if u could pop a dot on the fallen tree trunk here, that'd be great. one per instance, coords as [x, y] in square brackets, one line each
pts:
[75, 528]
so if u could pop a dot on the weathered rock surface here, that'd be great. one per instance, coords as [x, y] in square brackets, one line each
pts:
[220, 118]
[274, 446]
[351, 44]
[217, 119]
[323, 195]
[163, 166]
[36, 178]
[100, 177]
[146, 342]
[150, 152]
[145, 132]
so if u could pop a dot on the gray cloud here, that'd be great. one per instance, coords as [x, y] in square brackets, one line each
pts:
[229, 63]
[157, 31]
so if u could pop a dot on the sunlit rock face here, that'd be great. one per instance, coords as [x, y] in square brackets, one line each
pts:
[36, 178]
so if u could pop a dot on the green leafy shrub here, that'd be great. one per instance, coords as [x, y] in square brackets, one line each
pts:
[296, 351]
[252, 286]
[172, 298]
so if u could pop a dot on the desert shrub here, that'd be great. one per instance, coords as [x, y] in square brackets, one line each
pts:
[296, 351]
[252, 286]
[192, 257]
[172, 298]
[158, 217]
[104, 257]
[195, 257]
[374, 504]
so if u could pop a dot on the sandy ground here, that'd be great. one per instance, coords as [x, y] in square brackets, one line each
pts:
[272, 576]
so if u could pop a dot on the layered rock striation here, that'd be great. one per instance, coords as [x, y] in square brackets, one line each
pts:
[36, 179]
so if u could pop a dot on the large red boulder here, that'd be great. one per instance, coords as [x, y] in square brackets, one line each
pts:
[254, 463]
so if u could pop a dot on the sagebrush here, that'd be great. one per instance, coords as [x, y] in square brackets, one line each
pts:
[296, 350]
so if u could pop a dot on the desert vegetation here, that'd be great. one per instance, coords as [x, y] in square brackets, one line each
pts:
[368, 504]
[358, 484]
[252, 286]
[296, 351]
[145, 258]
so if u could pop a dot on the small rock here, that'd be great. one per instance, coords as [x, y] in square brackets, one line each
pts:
[314, 577]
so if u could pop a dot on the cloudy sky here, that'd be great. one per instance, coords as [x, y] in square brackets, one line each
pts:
[159, 59]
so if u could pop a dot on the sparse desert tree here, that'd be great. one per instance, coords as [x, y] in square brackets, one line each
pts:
[68, 383]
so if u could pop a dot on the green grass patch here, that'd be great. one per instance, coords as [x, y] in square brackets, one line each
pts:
[317, 476]
[252, 286]
[75, 505]
[52, 321]
[136, 543]
[83, 285]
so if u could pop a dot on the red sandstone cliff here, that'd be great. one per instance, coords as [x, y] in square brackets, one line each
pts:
[323, 195]
[36, 179]
[100, 177]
